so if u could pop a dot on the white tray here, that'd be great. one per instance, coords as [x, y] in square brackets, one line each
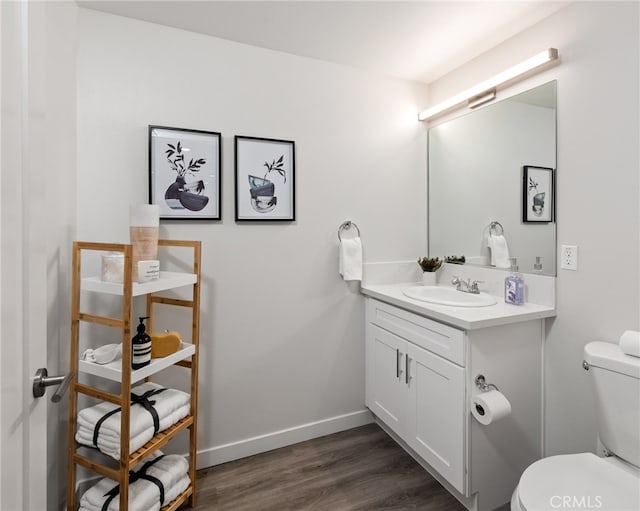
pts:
[167, 280]
[113, 370]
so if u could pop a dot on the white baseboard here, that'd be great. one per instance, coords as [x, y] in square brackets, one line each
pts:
[263, 443]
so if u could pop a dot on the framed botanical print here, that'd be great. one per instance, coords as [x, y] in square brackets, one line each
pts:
[537, 194]
[265, 179]
[184, 173]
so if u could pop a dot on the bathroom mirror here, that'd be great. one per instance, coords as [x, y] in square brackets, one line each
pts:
[476, 169]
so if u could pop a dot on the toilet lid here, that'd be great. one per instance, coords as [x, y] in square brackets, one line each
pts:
[578, 481]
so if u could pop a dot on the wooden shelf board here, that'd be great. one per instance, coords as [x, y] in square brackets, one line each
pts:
[160, 439]
[177, 502]
[95, 466]
[113, 370]
[167, 280]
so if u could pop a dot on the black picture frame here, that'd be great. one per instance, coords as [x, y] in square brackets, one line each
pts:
[185, 173]
[538, 194]
[264, 179]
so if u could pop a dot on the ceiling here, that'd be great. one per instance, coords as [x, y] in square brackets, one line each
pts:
[416, 40]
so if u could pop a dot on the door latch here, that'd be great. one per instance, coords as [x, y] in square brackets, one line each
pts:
[42, 380]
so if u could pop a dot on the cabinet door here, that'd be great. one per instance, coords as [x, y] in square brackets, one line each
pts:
[435, 422]
[387, 391]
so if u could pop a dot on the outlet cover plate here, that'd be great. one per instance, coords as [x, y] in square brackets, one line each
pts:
[569, 257]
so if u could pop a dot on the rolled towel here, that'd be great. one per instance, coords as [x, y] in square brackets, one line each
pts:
[630, 343]
[499, 251]
[103, 354]
[170, 473]
[351, 259]
[169, 405]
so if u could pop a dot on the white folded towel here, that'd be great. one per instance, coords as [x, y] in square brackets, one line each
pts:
[144, 495]
[630, 343]
[171, 405]
[499, 251]
[351, 259]
[103, 354]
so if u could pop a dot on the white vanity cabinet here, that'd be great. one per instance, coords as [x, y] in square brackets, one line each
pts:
[435, 427]
[418, 394]
[387, 392]
[420, 385]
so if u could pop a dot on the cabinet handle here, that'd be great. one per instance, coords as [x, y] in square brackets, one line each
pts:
[397, 363]
[406, 369]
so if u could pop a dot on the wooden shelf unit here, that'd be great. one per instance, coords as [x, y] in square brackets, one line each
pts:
[121, 370]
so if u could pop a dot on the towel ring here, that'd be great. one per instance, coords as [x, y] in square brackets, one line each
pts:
[345, 226]
[493, 228]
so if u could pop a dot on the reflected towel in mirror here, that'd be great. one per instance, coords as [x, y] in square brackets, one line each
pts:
[499, 251]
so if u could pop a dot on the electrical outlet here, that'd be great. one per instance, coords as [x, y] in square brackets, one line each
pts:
[569, 257]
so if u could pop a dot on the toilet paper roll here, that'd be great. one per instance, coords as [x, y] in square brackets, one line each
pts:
[630, 343]
[490, 406]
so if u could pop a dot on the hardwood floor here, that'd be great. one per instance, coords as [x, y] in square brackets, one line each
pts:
[361, 469]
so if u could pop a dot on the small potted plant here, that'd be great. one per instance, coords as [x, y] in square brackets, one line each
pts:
[455, 259]
[429, 265]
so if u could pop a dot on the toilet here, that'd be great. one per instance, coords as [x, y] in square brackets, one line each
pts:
[586, 481]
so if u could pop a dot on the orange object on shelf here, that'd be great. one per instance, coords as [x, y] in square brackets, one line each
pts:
[165, 344]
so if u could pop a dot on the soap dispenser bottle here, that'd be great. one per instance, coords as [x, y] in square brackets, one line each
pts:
[141, 347]
[537, 267]
[514, 285]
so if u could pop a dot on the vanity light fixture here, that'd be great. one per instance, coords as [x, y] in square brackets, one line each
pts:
[485, 91]
[482, 99]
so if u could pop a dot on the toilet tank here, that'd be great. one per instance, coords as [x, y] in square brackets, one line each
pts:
[615, 380]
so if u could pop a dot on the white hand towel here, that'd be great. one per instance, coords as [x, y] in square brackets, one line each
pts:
[351, 259]
[499, 251]
[630, 343]
[103, 354]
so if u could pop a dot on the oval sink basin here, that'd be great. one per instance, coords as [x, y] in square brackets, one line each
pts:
[449, 296]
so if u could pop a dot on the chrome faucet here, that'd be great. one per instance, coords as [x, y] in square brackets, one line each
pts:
[469, 286]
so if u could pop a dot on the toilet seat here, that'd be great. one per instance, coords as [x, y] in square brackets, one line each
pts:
[578, 481]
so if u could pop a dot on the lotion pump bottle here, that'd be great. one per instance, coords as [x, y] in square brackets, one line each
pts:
[537, 267]
[141, 347]
[514, 285]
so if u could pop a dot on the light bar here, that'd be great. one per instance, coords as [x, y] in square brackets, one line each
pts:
[480, 100]
[492, 83]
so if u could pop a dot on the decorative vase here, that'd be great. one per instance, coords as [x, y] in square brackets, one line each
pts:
[144, 227]
[429, 278]
[179, 196]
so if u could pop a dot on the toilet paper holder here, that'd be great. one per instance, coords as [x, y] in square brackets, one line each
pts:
[483, 385]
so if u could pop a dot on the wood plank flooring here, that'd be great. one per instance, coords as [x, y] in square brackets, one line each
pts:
[357, 470]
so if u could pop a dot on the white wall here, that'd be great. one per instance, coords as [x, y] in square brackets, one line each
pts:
[598, 191]
[282, 337]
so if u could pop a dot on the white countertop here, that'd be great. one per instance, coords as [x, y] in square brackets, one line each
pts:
[468, 318]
